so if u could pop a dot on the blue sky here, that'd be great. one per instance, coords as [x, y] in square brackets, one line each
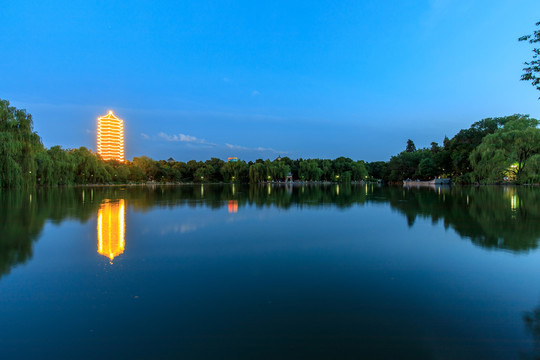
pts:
[257, 79]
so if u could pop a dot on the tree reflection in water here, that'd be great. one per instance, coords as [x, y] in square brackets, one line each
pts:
[532, 325]
[498, 218]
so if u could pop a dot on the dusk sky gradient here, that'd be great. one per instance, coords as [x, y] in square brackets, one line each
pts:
[258, 79]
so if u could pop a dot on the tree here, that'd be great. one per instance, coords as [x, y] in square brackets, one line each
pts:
[410, 146]
[327, 171]
[426, 168]
[466, 140]
[532, 70]
[358, 171]
[507, 152]
[309, 170]
[18, 147]
[203, 173]
[89, 167]
[235, 171]
[257, 172]
[147, 165]
[376, 169]
[64, 166]
[216, 165]
[435, 148]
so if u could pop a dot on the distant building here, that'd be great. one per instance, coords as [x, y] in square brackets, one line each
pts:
[171, 160]
[232, 159]
[110, 137]
[289, 177]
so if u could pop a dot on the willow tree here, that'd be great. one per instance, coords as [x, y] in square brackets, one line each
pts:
[18, 146]
[257, 172]
[508, 151]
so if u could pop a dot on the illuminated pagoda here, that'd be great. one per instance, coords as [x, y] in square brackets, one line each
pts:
[110, 137]
[111, 228]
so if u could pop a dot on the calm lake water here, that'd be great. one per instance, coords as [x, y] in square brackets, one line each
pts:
[270, 272]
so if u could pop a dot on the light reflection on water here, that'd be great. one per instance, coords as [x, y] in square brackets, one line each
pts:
[270, 272]
[111, 228]
[233, 206]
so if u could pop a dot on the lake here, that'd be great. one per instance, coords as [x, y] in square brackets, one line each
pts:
[270, 272]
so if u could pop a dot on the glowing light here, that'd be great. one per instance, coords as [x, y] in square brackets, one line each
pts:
[514, 202]
[233, 206]
[111, 228]
[110, 137]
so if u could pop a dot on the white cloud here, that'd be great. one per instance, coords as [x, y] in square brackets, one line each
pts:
[236, 147]
[183, 138]
[194, 140]
[261, 149]
[144, 136]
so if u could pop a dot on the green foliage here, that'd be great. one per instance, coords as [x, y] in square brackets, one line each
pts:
[18, 147]
[147, 166]
[465, 141]
[410, 146]
[507, 152]
[309, 169]
[426, 168]
[63, 165]
[377, 169]
[257, 172]
[406, 165]
[490, 146]
[532, 70]
[235, 171]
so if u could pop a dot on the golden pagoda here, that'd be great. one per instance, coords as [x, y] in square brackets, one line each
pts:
[110, 137]
[111, 228]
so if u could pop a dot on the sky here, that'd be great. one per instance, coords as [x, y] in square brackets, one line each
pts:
[258, 79]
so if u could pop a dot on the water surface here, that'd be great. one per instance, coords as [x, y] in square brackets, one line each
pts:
[270, 272]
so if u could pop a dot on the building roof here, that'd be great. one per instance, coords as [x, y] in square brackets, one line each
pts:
[109, 115]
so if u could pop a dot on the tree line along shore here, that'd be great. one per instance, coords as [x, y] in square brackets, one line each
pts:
[492, 150]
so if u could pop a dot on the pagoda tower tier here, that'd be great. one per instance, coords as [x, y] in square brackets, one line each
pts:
[110, 137]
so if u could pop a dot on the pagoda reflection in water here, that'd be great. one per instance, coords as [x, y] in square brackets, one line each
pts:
[233, 206]
[111, 228]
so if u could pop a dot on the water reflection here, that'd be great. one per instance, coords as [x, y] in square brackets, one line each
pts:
[490, 217]
[111, 228]
[499, 218]
[233, 206]
[532, 325]
[352, 272]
